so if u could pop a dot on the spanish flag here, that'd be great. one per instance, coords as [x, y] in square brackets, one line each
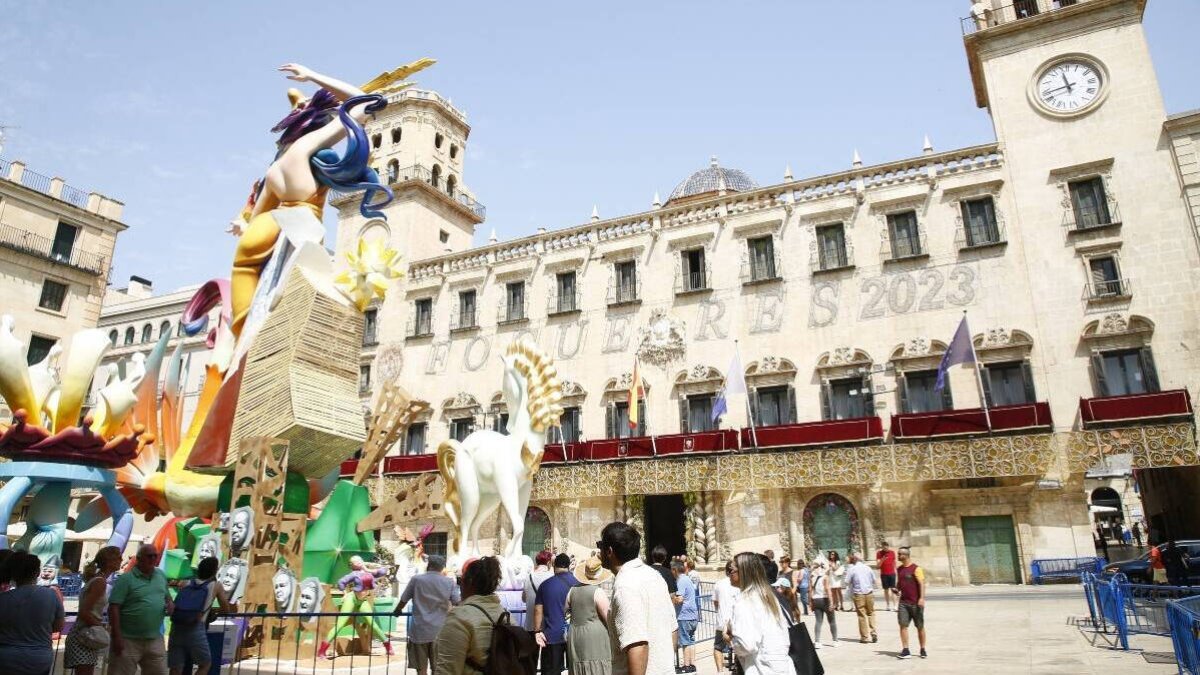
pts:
[635, 393]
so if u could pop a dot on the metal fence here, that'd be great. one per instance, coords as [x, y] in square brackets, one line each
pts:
[1184, 619]
[1072, 569]
[1122, 608]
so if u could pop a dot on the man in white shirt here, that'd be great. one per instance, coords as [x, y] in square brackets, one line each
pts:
[641, 623]
[724, 595]
[860, 579]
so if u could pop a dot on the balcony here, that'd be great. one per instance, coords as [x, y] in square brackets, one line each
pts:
[1159, 406]
[1015, 11]
[24, 241]
[860, 430]
[972, 421]
[1109, 289]
[979, 235]
[832, 260]
[723, 440]
[564, 303]
[760, 271]
[903, 248]
[1091, 220]
[513, 311]
[370, 338]
[463, 321]
[410, 463]
[693, 282]
[624, 294]
[419, 327]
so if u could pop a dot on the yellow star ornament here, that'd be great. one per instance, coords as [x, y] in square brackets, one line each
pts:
[372, 267]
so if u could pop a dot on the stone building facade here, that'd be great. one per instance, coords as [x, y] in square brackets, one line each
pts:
[1065, 243]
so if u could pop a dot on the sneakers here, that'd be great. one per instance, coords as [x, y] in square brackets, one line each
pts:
[923, 654]
[833, 644]
[874, 637]
[905, 654]
[816, 645]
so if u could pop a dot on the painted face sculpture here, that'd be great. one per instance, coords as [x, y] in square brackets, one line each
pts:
[232, 577]
[284, 586]
[209, 547]
[311, 596]
[241, 523]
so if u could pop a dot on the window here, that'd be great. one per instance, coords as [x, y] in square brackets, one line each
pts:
[364, 377]
[1106, 277]
[396, 134]
[437, 140]
[831, 246]
[64, 241]
[904, 235]
[39, 348]
[500, 422]
[1025, 8]
[461, 428]
[443, 236]
[761, 251]
[113, 336]
[695, 413]
[393, 171]
[774, 405]
[164, 328]
[376, 140]
[564, 284]
[414, 439]
[918, 393]
[1008, 383]
[370, 327]
[979, 222]
[435, 176]
[435, 544]
[514, 292]
[1124, 372]
[451, 185]
[1089, 203]
[694, 274]
[54, 295]
[626, 280]
[466, 309]
[129, 333]
[571, 427]
[147, 333]
[423, 315]
[847, 398]
[618, 420]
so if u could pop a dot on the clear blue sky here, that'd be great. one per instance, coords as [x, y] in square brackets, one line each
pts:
[167, 106]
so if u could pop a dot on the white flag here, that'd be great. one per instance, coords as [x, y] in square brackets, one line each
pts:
[735, 378]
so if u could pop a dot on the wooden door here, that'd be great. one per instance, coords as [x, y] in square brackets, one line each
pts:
[991, 543]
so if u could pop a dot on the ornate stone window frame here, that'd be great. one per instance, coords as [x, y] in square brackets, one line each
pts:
[616, 389]
[954, 197]
[1063, 177]
[573, 394]
[698, 379]
[1117, 330]
[917, 203]
[770, 371]
[998, 344]
[460, 406]
[843, 362]
[916, 354]
[1108, 248]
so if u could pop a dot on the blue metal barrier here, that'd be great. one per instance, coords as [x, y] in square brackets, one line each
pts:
[1184, 619]
[1115, 605]
[1044, 569]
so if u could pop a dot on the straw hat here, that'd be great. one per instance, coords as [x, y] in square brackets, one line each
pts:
[592, 571]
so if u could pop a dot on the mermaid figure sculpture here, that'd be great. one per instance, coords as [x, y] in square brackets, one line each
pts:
[358, 587]
[304, 169]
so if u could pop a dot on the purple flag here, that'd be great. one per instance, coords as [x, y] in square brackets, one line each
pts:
[960, 351]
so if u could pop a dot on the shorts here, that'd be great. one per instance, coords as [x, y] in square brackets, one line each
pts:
[911, 613]
[420, 655]
[719, 643]
[188, 643]
[888, 581]
[687, 633]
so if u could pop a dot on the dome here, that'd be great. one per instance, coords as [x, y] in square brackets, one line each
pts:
[713, 179]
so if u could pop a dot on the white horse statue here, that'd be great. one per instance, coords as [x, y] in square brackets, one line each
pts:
[488, 469]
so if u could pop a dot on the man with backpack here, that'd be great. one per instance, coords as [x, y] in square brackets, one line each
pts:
[189, 620]
[478, 636]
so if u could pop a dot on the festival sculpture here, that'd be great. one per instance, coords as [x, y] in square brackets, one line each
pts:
[489, 470]
[358, 587]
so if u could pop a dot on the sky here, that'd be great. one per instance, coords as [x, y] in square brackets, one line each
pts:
[167, 106]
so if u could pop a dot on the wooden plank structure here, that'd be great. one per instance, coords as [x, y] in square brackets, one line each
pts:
[394, 412]
[421, 500]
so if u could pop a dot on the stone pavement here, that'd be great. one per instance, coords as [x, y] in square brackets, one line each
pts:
[993, 630]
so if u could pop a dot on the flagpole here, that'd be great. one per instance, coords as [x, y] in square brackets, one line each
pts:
[737, 350]
[987, 415]
[646, 412]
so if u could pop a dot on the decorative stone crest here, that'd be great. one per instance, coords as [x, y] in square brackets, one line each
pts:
[997, 337]
[917, 347]
[1113, 323]
[572, 389]
[462, 400]
[769, 364]
[662, 341]
[841, 356]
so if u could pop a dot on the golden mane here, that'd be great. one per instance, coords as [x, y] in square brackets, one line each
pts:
[542, 386]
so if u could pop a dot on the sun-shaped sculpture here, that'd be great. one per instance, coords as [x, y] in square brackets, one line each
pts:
[662, 341]
[372, 265]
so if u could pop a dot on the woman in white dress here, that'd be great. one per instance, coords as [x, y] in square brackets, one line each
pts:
[759, 627]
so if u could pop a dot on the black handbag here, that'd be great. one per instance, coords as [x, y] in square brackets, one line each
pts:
[800, 647]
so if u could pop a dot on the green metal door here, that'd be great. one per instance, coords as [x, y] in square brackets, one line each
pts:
[991, 544]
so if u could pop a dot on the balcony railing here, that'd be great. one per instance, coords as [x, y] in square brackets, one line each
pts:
[829, 260]
[1091, 219]
[760, 271]
[1109, 289]
[903, 248]
[464, 320]
[513, 311]
[564, 303]
[370, 338]
[419, 327]
[693, 282]
[970, 236]
[1014, 11]
[417, 172]
[1162, 405]
[38, 246]
[1010, 418]
[624, 294]
[832, 432]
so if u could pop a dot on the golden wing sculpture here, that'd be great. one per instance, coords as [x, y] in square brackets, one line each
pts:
[386, 79]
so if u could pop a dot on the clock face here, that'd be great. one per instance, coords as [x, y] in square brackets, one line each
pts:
[1069, 87]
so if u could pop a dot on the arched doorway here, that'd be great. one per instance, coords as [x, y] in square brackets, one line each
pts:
[831, 524]
[537, 532]
[1107, 512]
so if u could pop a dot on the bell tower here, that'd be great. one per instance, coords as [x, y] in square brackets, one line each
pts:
[418, 148]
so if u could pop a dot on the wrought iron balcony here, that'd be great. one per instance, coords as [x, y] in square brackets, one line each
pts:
[1013, 11]
[419, 327]
[1085, 220]
[1109, 289]
[513, 311]
[832, 259]
[761, 271]
[564, 303]
[980, 235]
[464, 320]
[24, 241]
[903, 248]
[693, 282]
[370, 338]
[624, 294]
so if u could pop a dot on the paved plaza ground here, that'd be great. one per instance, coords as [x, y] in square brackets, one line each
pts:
[991, 630]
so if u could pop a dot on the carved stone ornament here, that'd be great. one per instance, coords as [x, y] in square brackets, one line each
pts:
[390, 361]
[460, 401]
[1113, 323]
[570, 389]
[662, 340]
[997, 337]
[769, 364]
[916, 347]
[841, 356]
